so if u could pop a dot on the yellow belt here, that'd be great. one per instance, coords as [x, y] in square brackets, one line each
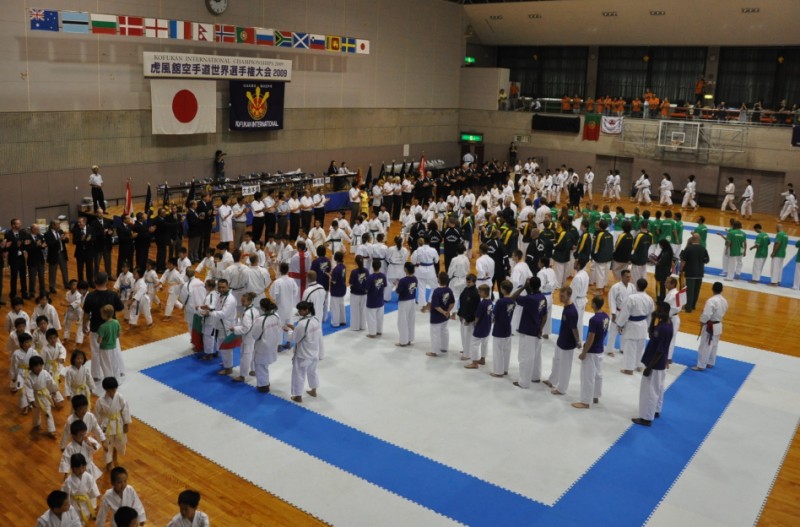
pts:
[83, 498]
[83, 390]
[40, 396]
[54, 364]
[117, 418]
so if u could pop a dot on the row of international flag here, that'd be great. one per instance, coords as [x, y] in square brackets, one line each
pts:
[137, 26]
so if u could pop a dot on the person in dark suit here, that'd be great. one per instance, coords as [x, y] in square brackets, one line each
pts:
[694, 257]
[34, 252]
[194, 231]
[82, 238]
[175, 221]
[141, 240]
[103, 241]
[125, 235]
[164, 227]
[15, 242]
[205, 211]
[56, 241]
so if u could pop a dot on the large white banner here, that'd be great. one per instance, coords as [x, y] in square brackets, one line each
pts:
[189, 66]
[183, 107]
[611, 125]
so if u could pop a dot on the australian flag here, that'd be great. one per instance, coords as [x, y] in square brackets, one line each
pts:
[44, 20]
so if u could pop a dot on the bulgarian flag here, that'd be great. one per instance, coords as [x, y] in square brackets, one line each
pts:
[197, 333]
[232, 341]
[591, 126]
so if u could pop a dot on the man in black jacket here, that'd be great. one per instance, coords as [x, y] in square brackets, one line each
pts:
[82, 238]
[195, 232]
[103, 241]
[205, 211]
[15, 242]
[56, 241]
[141, 240]
[693, 260]
[163, 234]
[35, 259]
[467, 307]
[125, 236]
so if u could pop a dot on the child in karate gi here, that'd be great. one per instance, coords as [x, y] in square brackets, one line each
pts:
[77, 378]
[20, 368]
[141, 300]
[74, 313]
[118, 496]
[37, 391]
[80, 412]
[46, 309]
[173, 279]
[124, 286]
[150, 278]
[114, 417]
[244, 327]
[268, 336]
[306, 333]
[81, 488]
[59, 511]
[188, 501]
[80, 443]
[54, 355]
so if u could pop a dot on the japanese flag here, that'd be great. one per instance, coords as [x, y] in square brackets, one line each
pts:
[183, 106]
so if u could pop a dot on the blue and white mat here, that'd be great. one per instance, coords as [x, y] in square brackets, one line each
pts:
[397, 438]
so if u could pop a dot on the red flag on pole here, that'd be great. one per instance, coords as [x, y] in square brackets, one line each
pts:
[422, 170]
[128, 199]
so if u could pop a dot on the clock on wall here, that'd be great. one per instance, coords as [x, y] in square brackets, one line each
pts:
[217, 7]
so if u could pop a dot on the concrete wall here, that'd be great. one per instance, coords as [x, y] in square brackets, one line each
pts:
[481, 86]
[70, 101]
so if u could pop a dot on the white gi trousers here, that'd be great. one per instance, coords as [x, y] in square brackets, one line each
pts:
[734, 263]
[358, 312]
[529, 355]
[638, 271]
[729, 200]
[777, 271]
[440, 337]
[374, 320]
[74, 316]
[633, 350]
[104, 363]
[405, 321]
[262, 360]
[457, 285]
[478, 346]
[676, 326]
[591, 377]
[688, 200]
[501, 355]
[562, 369]
[580, 305]
[246, 356]
[758, 267]
[142, 307]
[747, 207]
[338, 314]
[466, 338]
[225, 355]
[707, 351]
[599, 273]
[562, 271]
[172, 300]
[651, 394]
[303, 369]
[548, 325]
[613, 332]
[425, 283]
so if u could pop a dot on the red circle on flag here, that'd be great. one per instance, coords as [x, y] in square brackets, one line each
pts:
[184, 106]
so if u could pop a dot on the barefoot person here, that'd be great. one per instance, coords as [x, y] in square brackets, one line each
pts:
[592, 356]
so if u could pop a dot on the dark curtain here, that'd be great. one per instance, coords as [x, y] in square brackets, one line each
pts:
[546, 71]
[747, 75]
[674, 72]
[789, 77]
[622, 71]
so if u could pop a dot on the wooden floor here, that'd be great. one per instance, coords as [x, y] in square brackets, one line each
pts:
[160, 467]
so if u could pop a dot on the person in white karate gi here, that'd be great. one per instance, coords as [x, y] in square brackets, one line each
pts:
[665, 191]
[689, 193]
[591, 357]
[268, 336]
[258, 280]
[284, 291]
[173, 280]
[396, 257]
[673, 299]
[547, 278]
[651, 390]
[222, 316]
[426, 259]
[237, 275]
[730, 196]
[306, 333]
[458, 271]
[114, 416]
[244, 328]
[139, 297]
[747, 200]
[588, 179]
[484, 267]
[580, 288]
[318, 296]
[119, 495]
[617, 296]
[711, 324]
[225, 218]
[632, 323]
[59, 513]
[406, 289]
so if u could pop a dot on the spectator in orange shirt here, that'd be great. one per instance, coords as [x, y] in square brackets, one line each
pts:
[620, 106]
[665, 108]
[655, 104]
[636, 107]
[576, 104]
[589, 106]
[599, 105]
[566, 104]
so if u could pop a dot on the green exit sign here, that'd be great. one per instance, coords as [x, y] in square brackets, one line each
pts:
[471, 138]
[469, 60]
